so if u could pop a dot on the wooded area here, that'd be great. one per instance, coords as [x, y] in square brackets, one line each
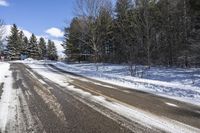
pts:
[145, 32]
[20, 47]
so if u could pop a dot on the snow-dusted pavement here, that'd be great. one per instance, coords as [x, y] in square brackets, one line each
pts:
[48, 99]
[40, 105]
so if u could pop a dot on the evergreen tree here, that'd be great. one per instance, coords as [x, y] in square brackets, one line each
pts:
[104, 29]
[120, 29]
[1, 47]
[33, 49]
[14, 46]
[75, 42]
[147, 15]
[25, 46]
[51, 51]
[195, 31]
[42, 48]
[22, 45]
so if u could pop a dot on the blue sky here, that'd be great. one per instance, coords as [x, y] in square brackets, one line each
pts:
[44, 18]
[37, 16]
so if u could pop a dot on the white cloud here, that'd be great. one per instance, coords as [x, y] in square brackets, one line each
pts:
[55, 32]
[4, 3]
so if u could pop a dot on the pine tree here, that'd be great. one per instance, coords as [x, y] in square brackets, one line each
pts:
[51, 51]
[42, 48]
[1, 47]
[14, 43]
[147, 14]
[74, 43]
[21, 42]
[195, 32]
[104, 29]
[33, 49]
[120, 29]
[25, 46]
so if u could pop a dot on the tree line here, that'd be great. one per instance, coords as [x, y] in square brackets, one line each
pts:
[147, 32]
[19, 46]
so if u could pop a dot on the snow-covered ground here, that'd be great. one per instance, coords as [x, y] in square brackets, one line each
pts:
[3, 70]
[176, 83]
[7, 99]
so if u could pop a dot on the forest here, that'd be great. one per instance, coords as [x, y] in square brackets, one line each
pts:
[135, 32]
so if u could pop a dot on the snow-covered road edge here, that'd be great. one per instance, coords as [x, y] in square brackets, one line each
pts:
[8, 96]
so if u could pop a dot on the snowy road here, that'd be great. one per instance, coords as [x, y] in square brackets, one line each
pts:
[46, 99]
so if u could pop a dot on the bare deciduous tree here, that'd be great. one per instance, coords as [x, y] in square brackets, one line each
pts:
[89, 11]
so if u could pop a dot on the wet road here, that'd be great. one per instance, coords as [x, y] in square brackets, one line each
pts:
[47, 108]
[42, 105]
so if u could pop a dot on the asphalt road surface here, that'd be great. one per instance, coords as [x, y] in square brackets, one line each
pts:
[47, 107]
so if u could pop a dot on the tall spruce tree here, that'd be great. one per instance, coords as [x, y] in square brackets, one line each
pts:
[22, 45]
[104, 28]
[51, 51]
[195, 32]
[74, 43]
[42, 48]
[147, 24]
[120, 29]
[25, 46]
[14, 46]
[33, 48]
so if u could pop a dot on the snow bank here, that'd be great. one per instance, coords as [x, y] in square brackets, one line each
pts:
[7, 95]
[3, 70]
